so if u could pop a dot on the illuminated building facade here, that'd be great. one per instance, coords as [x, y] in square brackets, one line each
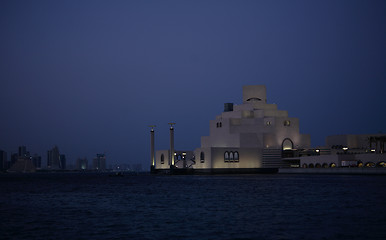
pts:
[364, 150]
[249, 137]
[257, 137]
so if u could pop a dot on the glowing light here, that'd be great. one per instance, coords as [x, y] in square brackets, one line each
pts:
[373, 150]
[345, 148]
[317, 150]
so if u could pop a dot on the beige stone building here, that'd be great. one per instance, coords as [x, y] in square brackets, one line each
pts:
[252, 136]
[349, 150]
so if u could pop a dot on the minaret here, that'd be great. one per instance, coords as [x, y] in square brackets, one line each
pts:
[171, 154]
[152, 166]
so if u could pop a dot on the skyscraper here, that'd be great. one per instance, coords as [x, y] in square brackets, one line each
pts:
[53, 158]
[22, 151]
[99, 162]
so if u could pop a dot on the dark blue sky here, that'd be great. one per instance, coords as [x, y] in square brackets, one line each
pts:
[90, 76]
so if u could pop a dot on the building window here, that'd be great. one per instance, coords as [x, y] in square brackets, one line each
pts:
[287, 144]
[231, 156]
[268, 123]
[162, 159]
[202, 157]
[287, 123]
[219, 124]
[226, 157]
[236, 156]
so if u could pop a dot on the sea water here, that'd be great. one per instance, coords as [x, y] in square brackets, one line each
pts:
[99, 206]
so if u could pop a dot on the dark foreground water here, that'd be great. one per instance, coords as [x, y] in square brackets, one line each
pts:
[96, 206]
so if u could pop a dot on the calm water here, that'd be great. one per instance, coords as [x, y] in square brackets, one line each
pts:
[96, 206]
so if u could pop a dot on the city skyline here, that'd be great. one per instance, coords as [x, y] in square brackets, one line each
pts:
[91, 76]
[56, 161]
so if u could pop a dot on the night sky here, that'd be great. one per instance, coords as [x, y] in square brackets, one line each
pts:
[90, 76]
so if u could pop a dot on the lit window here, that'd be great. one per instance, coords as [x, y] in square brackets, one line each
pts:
[226, 157]
[287, 123]
[202, 157]
[162, 159]
[287, 144]
[370, 164]
[236, 156]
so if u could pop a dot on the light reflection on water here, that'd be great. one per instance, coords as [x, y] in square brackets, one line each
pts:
[84, 206]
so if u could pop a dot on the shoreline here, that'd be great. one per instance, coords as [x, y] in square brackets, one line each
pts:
[338, 170]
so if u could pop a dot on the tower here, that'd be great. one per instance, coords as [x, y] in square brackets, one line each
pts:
[53, 158]
[152, 160]
[171, 154]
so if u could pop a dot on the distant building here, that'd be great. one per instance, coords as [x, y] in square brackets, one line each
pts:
[22, 161]
[23, 164]
[22, 151]
[99, 162]
[3, 160]
[81, 164]
[37, 161]
[63, 161]
[53, 159]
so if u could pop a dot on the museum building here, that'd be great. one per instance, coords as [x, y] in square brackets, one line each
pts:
[256, 137]
[253, 136]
